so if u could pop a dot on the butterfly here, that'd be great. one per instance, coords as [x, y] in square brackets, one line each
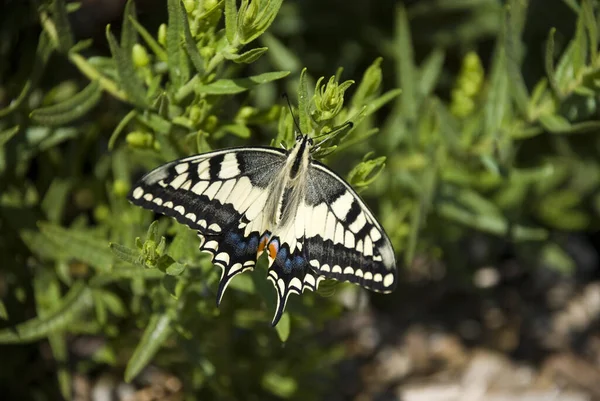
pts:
[248, 200]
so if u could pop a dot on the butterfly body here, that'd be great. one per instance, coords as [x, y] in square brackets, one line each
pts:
[246, 201]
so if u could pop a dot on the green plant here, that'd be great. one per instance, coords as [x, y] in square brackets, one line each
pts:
[512, 157]
[176, 89]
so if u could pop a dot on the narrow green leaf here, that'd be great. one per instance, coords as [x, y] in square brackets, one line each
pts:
[177, 60]
[555, 123]
[43, 52]
[236, 129]
[176, 269]
[381, 101]
[283, 327]
[490, 224]
[517, 84]
[405, 64]
[190, 45]
[77, 300]
[230, 21]
[157, 331]
[55, 199]
[549, 62]
[7, 134]
[128, 79]
[63, 27]
[70, 109]
[430, 72]
[3, 311]
[281, 57]
[128, 31]
[303, 100]
[592, 28]
[79, 245]
[120, 127]
[48, 297]
[556, 258]
[232, 86]
[497, 104]
[126, 254]
[248, 57]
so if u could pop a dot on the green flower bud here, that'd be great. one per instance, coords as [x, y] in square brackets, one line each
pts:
[137, 139]
[190, 5]
[210, 4]
[211, 123]
[162, 34]
[120, 188]
[140, 55]
[329, 99]
[101, 213]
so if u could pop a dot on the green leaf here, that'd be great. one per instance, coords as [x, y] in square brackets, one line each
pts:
[231, 22]
[248, 57]
[175, 269]
[497, 105]
[592, 28]
[549, 62]
[190, 45]
[238, 130]
[62, 25]
[70, 109]
[369, 84]
[557, 259]
[48, 297]
[157, 331]
[120, 127]
[177, 59]
[77, 300]
[79, 245]
[7, 134]
[129, 81]
[490, 224]
[517, 84]
[3, 311]
[283, 327]
[232, 86]
[430, 72]
[43, 52]
[281, 57]
[128, 31]
[405, 73]
[303, 100]
[126, 254]
[55, 198]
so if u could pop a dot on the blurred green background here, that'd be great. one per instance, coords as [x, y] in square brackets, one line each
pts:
[475, 143]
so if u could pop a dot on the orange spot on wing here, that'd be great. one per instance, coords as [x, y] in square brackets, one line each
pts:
[273, 248]
[262, 244]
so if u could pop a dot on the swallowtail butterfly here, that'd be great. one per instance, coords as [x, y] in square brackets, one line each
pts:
[249, 200]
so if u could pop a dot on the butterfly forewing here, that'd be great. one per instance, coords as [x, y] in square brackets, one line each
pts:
[221, 194]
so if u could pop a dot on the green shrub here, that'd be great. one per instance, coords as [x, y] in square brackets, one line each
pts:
[514, 161]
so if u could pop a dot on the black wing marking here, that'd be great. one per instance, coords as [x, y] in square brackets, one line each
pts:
[288, 272]
[221, 195]
[343, 239]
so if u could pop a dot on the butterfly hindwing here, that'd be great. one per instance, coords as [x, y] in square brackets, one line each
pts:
[343, 239]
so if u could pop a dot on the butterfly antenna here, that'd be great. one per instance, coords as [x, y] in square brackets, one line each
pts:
[287, 98]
